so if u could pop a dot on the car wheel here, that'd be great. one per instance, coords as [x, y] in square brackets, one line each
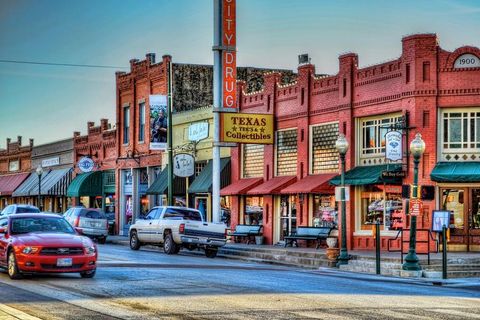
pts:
[13, 271]
[169, 246]
[134, 242]
[88, 274]
[102, 240]
[211, 253]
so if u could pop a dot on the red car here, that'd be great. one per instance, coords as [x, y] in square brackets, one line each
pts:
[44, 243]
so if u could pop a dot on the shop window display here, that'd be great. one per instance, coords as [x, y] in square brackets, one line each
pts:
[382, 203]
[325, 211]
[253, 210]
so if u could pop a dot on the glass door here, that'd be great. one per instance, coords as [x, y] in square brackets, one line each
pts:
[288, 215]
[454, 200]
[474, 220]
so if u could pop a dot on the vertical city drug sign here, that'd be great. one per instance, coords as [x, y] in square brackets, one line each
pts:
[158, 122]
[229, 56]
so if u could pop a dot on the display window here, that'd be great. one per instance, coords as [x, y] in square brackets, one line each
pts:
[325, 211]
[253, 210]
[380, 203]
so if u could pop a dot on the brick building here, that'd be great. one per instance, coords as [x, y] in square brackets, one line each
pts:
[94, 186]
[427, 90]
[15, 165]
[137, 165]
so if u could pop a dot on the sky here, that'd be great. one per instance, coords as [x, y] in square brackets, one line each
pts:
[48, 103]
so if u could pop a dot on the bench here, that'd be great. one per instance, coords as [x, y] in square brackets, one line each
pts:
[246, 232]
[308, 233]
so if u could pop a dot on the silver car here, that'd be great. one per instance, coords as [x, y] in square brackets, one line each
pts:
[19, 208]
[90, 222]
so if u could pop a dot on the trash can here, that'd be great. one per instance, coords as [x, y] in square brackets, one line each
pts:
[258, 240]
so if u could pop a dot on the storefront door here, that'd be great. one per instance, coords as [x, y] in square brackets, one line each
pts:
[465, 223]
[288, 216]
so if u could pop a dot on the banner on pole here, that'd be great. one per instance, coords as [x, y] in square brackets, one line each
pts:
[247, 128]
[229, 56]
[158, 122]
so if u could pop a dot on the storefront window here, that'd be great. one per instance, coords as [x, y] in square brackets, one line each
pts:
[225, 208]
[288, 215]
[128, 208]
[254, 210]
[286, 146]
[325, 212]
[380, 202]
[461, 130]
[454, 200]
[143, 205]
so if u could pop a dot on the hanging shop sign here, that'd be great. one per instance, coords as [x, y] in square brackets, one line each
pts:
[416, 206]
[85, 164]
[198, 131]
[229, 56]
[158, 122]
[51, 162]
[184, 165]
[394, 174]
[247, 128]
[393, 145]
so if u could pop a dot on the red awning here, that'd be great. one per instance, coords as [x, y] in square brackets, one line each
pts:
[273, 186]
[241, 186]
[9, 183]
[312, 184]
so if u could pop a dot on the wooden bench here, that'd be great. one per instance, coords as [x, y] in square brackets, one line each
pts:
[246, 232]
[308, 233]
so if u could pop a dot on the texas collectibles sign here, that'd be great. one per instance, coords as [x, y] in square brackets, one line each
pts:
[86, 164]
[393, 145]
[247, 128]
[184, 165]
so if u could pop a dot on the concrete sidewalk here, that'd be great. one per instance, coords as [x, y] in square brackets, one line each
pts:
[9, 313]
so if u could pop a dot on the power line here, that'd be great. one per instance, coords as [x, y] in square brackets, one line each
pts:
[62, 64]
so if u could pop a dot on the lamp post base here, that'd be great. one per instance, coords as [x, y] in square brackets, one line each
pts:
[343, 257]
[411, 262]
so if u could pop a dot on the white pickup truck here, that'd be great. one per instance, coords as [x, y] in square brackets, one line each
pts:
[177, 227]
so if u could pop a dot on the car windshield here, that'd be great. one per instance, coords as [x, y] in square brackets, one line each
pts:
[27, 210]
[40, 225]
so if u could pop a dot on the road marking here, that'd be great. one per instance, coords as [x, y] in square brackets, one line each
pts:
[16, 313]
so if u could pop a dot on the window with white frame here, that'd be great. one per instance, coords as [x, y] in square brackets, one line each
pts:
[460, 134]
[372, 138]
[126, 124]
[199, 167]
[324, 154]
[286, 151]
[252, 160]
[141, 122]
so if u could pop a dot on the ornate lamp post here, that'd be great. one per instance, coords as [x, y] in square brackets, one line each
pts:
[417, 147]
[342, 147]
[39, 174]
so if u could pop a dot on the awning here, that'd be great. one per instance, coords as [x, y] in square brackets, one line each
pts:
[241, 186]
[86, 184]
[456, 172]
[160, 185]
[8, 183]
[273, 186]
[54, 182]
[203, 182]
[364, 175]
[312, 184]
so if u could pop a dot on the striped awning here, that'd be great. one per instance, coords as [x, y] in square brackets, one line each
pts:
[10, 182]
[54, 182]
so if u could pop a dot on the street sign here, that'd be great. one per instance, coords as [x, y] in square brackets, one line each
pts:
[416, 206]
[184, 165]
[338, 193]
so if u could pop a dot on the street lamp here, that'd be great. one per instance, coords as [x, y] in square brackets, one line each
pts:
[342, 147]
[39, 174]
[417, 147]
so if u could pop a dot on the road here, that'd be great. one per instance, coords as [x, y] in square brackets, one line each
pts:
[149, 284]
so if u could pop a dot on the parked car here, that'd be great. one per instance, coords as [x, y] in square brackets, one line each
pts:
[44, 243]
[87, 221]
[19, 208]
[177, 227]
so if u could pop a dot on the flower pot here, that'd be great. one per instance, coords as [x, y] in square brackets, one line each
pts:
[259, 240]
[332, 242]
[332, 253]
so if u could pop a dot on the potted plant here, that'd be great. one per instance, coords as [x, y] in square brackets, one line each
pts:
[332, 251]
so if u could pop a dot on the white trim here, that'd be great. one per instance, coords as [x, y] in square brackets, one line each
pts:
[383, 233]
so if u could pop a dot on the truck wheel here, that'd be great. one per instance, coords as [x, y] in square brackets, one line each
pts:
[211, 253]
[134, 242]
[169, 246]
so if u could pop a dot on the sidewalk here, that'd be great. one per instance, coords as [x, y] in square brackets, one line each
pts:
[9, 313]
[362, 262]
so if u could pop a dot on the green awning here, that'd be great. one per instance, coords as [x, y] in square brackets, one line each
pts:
[86, 184]
[160, 185]
[364, 175]
[456, 172]
[203, 182]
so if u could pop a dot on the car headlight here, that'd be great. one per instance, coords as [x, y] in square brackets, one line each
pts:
[88, 247]
[30, 250]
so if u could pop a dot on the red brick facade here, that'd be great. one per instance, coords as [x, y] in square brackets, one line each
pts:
[422, 80]
[17, 153]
